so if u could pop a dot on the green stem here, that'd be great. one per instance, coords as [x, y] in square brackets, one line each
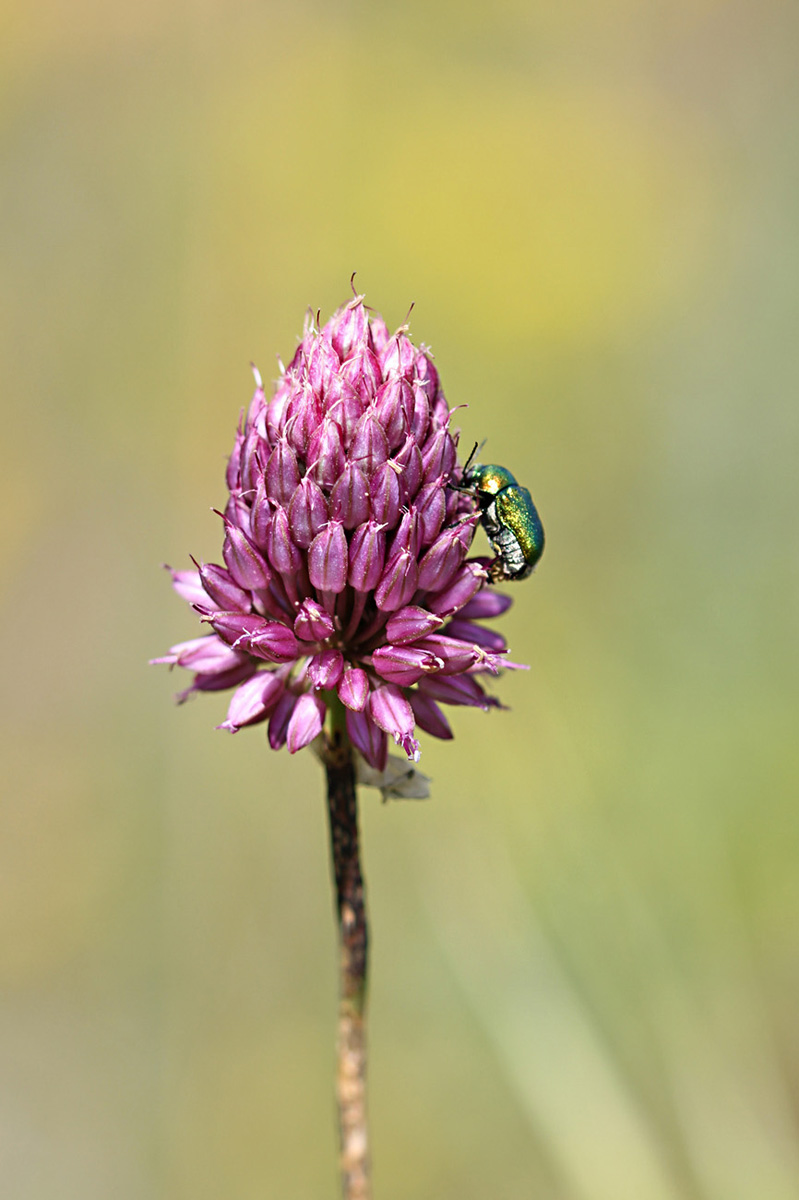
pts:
[353, 942]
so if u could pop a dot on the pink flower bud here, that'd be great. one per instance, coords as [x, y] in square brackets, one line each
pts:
[250, 467]
[369, 445]
[370, 741]
[282, 473]
[457, 689]
[407, 534]
[307, 512]
[345, 406]
[325, 669]
[306, 722]
[410, 459]
[362, 371]
[245, 564]
[441, 561]
[411, 623]
[302, 418]
[233, 625]
[188, 586]
[393, 405]
[283, 554]
[404, 665]
[455, 656]
[327, 558]
[391, 712]
[323, 364]
[260, 515]
[429, 716]
[367, 555]
[489, 639]
[426, 375]
[384, 489]
[312, 623]
[485, 604]
[276, 643]
[398, 582]
[234, 464]
[349, 499]
[398, 355]
[276, 409]
[438, 456]
[219, 585]
[467, 582]
[279, 720]
[353, 688]
[253, 701]
[349, 328]
[207, 655]
[326, 454]
[431, 507]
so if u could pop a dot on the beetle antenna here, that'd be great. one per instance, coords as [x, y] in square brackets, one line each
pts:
[468, 462]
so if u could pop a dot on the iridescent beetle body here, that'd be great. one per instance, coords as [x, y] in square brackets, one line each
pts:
[509, 517]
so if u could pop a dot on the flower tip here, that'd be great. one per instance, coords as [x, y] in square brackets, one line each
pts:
[256, 374]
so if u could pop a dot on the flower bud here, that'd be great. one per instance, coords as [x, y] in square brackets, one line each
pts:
[398, 355]
[362, 371]
[431, 507]
[455, 656]
[457, 689]
[279, 720]
[411, 623]
[345, 406]
[219, 585]
[349, 499]
[429, 716]
[441, 561]
[327, 558]
[307, 512]
[312, 623]
[253, 701]
[306, 722]
[488, 639]
[369, 445]
[393, 404]
[391, 712]
[438, 457]
[398, 582]
[367, 555]
[353, 688]
[349, 328]
[323, 364]
[404, 665]
[189, 587]
[370, 741]
[325, 669]
[384, 490]
[276, 643]
[466, 583]
[302, 418]
[233, 625]
[282, 473]
[283, 554]
[245, 564]
[410, 459]
[326, 454]
[407, 534]
[485, 604]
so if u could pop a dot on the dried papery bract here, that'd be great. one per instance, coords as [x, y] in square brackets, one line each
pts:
[346, 603]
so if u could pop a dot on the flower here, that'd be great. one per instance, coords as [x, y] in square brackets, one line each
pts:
[345, 553]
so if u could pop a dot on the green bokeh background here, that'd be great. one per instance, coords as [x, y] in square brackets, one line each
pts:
[585, 946]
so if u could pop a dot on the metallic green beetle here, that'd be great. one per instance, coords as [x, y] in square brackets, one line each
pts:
[509, 517]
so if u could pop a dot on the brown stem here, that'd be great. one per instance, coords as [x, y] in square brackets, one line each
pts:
[351, 1040]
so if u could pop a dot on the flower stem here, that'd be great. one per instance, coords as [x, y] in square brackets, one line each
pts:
[351, 1039]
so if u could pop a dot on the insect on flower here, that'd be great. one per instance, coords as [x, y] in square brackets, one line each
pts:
[508, 516]
[345, 577]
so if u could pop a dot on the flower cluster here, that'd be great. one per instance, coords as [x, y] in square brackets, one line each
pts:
[346, 542]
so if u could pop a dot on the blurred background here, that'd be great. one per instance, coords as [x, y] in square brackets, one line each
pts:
[585, 967]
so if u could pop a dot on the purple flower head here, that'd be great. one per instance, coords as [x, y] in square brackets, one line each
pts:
[346, 575]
